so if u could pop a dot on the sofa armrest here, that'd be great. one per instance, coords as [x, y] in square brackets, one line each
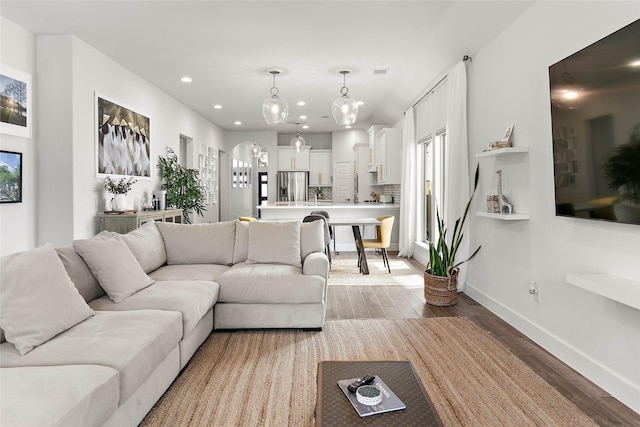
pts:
[316, 263]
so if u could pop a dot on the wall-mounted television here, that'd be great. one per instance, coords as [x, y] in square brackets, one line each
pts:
[595, 118]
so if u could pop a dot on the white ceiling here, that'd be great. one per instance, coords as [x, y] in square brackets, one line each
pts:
[227, 46]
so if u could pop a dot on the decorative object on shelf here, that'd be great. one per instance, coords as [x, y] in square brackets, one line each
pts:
[119, 189]
[344, 108]
[16, 102]
[10, 177]
[503, 203]
[441, 275]
[492, 204]
[297, 141]
[183, 188]
[275, 110]
[504, 143]
[122, 140]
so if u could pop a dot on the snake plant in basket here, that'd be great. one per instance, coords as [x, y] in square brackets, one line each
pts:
[441, 275]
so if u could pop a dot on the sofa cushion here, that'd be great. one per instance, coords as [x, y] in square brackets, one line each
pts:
[114, 265]
[311, 238]
[80, 274]
[189, 272]
[147, 246]
[241, 246]
[38, 298]
[73, 395]
[199, 243]
[132, 342]
[274, 242]
[269, 283]
[192, 298]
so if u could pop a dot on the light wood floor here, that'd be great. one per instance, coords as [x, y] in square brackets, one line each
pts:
[396, 302]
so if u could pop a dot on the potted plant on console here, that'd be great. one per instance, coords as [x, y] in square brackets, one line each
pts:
[183, 188]
[441, 274]
[119, 189]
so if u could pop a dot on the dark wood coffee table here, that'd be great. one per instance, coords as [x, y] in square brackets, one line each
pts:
[333, 407]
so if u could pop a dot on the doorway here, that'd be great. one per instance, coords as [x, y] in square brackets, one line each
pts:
[263, 186]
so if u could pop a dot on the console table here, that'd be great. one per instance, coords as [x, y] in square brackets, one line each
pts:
[127, 221]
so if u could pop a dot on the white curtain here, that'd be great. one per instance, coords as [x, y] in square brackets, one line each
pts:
[409, 189]
[457, 160]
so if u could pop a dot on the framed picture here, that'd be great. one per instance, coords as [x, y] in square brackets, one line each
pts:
[10, 177]
[15, 102]
[123, 140]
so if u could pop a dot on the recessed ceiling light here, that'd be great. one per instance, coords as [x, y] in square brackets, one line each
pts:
[217, 106]
[305, 127]
[301, 103]
[238, 123]
[348, 127]
[186, 79]
[360, 102]
[303, 117]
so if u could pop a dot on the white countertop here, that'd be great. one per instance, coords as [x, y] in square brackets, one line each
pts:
[307, 205]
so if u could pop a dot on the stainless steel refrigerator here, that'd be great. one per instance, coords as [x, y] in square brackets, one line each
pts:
[293, 186]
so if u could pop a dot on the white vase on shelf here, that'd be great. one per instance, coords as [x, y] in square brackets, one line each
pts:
[119, 203]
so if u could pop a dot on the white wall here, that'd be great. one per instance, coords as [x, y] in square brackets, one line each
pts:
[17, 220]
[508, 83]
[70, 72]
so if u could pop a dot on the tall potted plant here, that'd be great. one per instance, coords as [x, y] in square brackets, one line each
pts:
[441, 274]
[183, 188]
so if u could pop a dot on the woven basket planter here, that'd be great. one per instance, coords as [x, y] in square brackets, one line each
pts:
[441, 291]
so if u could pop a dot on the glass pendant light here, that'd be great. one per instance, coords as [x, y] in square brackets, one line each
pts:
[297, 142]
[275, 109]
[344, 108]
[255, 150]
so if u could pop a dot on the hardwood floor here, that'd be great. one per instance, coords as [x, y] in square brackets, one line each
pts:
[397, 302]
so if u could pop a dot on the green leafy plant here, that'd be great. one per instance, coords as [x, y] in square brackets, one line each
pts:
[622, 169]
[442, 255]
[121, 186]
[183, 188]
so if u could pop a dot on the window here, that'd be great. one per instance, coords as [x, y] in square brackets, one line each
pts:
[432, 150]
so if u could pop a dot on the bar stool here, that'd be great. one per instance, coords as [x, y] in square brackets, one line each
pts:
[247, 218]
[383, 238]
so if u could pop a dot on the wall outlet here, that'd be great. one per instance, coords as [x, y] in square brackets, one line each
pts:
[534, 290]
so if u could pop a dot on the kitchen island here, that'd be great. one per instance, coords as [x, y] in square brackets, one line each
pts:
[343, 235]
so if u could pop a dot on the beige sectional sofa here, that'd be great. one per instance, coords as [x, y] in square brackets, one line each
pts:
[94, 334]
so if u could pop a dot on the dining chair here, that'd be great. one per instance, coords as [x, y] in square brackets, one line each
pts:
[247, 218]
[331, 230]
[383, 238]
[327, 234]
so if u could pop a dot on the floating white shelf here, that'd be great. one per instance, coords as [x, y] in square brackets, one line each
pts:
[504, 217]
[624, 291]
[503, 152]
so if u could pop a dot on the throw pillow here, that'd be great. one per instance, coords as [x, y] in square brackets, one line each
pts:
[199, 243]
[274, 242]
[38, 298]
[80, 274]
[311, 237]
[114, 265]
[147, 246]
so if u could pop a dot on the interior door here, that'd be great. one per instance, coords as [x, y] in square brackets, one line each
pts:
[343, 173]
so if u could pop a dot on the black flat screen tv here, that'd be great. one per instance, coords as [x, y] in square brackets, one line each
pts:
[595, 119]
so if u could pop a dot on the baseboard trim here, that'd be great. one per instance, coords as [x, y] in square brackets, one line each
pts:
[619, 387]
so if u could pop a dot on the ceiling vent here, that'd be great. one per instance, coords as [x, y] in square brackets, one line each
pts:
[380, 71]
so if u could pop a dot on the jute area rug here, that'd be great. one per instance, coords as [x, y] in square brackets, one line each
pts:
[268, 378]
[345, 272]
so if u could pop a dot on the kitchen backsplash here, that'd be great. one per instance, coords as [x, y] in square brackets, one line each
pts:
[323, 193]
[390, 190]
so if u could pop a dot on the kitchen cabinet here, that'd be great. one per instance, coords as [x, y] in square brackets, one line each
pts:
[290, 160]
[373, 130]
[320, 168]
[388, 154]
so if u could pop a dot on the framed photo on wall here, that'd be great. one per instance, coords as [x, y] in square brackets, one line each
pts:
[10, 177]
[15, 102]
[123, 140]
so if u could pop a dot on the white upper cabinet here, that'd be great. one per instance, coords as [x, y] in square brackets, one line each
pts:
[388, 155]
[320, 168]
[373, 130]
[289, 160]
